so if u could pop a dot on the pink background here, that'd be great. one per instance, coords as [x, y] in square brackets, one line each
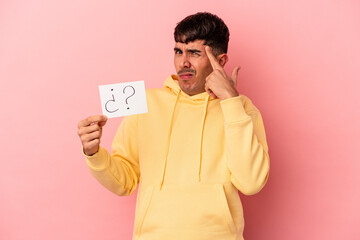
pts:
[300, 65]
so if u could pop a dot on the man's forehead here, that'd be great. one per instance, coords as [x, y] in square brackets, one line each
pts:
[197, 44]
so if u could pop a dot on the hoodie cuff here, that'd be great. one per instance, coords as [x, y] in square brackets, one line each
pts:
[233, 110]
[99, 160]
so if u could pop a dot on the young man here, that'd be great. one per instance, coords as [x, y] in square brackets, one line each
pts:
[199, 143]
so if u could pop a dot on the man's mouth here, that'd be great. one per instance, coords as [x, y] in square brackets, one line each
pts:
[186, 74]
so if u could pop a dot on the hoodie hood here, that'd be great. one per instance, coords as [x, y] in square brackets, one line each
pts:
[172, 84]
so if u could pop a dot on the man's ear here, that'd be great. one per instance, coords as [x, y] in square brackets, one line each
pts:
[222, 59]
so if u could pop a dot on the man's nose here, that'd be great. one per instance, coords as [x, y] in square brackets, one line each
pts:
[185, 63]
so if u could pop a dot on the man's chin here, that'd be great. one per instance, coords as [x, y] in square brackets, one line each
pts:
[190, 91]
[185, 87]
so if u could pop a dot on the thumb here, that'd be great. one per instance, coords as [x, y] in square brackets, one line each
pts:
[235, 74]
[103, 121]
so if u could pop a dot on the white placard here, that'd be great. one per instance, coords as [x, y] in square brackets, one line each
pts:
[123, 99]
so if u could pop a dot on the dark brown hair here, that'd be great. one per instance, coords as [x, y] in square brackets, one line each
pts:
[204, 26]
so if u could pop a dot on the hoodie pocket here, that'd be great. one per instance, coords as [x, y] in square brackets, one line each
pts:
[227, 212]
[143, 204]
[200, 208]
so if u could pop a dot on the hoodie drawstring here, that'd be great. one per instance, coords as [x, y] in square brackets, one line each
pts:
[202, 134]
[201, 137]
[169, 138]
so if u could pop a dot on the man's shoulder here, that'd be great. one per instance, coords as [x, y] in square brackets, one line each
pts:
[151, 91]
[248, 104]
[156, 93]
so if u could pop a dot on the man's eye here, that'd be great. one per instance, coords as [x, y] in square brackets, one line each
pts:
[178, 52]
[195, 53]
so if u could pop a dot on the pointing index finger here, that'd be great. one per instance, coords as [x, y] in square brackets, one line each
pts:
[214, 63]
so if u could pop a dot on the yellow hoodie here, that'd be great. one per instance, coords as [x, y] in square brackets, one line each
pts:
[190, 155]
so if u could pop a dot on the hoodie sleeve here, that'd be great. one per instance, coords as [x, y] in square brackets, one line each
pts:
[245, 144]
[118, 172]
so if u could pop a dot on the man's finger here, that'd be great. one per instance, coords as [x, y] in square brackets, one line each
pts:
[88, 129]
[102, 123]
[91, 136]
[211, 93]
[213, 61]
[234, 75]
[93, 119]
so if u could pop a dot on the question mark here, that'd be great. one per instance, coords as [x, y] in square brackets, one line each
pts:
[113, 100]
[126, 100]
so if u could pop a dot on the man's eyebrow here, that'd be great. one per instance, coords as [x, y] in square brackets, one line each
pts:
[193, 50]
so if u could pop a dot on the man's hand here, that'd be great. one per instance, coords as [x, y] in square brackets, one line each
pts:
[218, 83]
[89, 131]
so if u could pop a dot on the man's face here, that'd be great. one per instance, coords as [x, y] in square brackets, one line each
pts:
[192, 66]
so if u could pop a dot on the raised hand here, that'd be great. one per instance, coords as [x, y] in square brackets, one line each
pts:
[218, 83]
[90, 131]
